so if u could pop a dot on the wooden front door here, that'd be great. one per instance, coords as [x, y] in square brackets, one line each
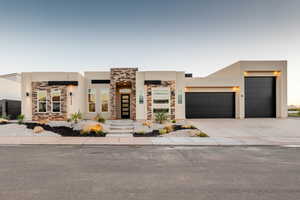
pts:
[125, 106]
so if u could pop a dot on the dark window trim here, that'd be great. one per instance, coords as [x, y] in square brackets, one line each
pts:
[103, 81]
[152, 82]
[62, 82]
[189, 75]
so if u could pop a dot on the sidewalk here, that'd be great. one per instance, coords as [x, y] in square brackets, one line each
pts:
[173, 141]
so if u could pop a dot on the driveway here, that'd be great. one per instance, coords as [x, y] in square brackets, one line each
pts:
[260, 129]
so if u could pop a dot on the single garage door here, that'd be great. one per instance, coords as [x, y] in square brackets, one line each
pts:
[260, 97]
[210, 104]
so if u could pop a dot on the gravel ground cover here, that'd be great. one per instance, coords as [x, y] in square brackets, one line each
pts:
[21, 130]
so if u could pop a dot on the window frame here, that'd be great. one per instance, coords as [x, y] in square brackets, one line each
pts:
[163, 105]
[55, 90]
[102, 92]
[88, 102]
[38, 101]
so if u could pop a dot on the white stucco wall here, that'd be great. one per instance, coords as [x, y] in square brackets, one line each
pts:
[10, 89]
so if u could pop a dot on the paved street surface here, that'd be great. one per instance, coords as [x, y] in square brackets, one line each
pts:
[48, 172]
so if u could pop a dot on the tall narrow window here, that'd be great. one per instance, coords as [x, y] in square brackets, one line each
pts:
[55, 98]
[92, 100]
[104, 96]
[42, 101]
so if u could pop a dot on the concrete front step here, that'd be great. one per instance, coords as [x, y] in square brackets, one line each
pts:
[121, 131]
[121, 127]
[119, 135]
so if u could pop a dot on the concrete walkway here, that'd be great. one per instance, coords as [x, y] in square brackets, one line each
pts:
[192, 141]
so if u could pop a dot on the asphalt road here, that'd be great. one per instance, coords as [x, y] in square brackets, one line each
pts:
[40, 172]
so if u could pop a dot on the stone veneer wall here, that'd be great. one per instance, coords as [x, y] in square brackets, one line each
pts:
[118, 75]
[36, 86]
[148, 88]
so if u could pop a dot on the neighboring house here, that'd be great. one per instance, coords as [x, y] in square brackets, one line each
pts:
[244, 89]
[13, 77]
[10, 98]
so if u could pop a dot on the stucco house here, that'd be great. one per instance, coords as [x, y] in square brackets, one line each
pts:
[242, 90]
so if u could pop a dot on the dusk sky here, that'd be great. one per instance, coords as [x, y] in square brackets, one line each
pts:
[198, 36]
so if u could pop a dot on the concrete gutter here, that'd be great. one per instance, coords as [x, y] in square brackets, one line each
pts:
[136, 141]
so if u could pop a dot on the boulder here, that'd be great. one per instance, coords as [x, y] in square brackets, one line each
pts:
[38, 129]
[3, 121]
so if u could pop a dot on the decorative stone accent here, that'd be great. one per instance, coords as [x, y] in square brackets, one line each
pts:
[36, 116]
[148, 88]
[122, 75]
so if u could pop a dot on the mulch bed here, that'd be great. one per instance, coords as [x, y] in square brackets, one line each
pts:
[155, 133]
[63, 130]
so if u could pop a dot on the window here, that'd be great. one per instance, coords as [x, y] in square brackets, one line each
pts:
[55, 99]
[91, 100]
[141, 97]
[180, 97]
[104, 96]
[161, 99]
[42, 101]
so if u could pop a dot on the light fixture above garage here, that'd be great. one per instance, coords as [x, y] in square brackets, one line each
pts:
[277, 73]
[236, 88]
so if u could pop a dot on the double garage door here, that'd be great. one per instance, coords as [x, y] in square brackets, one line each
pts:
[260, 101]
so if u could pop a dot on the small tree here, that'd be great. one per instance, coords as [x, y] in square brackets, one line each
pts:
[160, 117]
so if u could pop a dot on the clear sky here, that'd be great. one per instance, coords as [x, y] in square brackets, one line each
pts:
[198, 36]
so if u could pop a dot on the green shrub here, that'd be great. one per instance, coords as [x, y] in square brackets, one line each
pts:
[20, 119]
[162, 131]
[201, 134]
[76, 117]
[160, 117]
[7, 117]
[173, 121]
[84, 132]
[100, 133]
[99, 118]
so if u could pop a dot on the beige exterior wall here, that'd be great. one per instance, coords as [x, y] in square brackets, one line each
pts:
[233, 76]
[229, 79]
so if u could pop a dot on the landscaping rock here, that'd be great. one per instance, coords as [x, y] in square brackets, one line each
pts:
[38, 129]
[3, 121]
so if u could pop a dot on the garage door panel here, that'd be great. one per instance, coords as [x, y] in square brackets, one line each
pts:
[210, 105]
[260, 96]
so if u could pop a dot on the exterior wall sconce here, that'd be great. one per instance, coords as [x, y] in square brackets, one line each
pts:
[27, 94]
[71, 94]
[245, 73]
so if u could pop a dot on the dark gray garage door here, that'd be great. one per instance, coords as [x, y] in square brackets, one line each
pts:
[210, 104]
[260, 97]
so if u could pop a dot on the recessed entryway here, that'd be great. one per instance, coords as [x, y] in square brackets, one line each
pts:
[210, 104]
[260, 97]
